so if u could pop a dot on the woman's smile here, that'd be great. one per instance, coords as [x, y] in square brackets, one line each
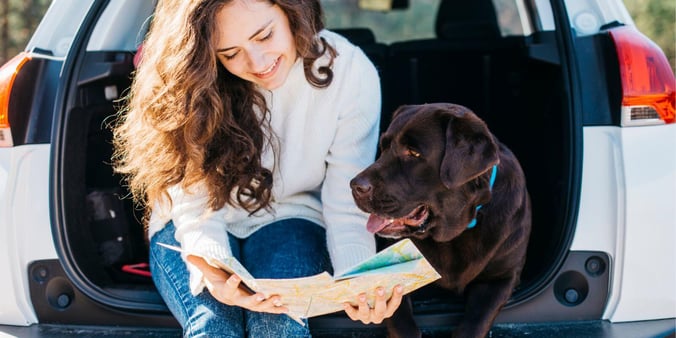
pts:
[270, 71]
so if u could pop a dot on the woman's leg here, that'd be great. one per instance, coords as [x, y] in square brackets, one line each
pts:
[286, 249]
[201, 315]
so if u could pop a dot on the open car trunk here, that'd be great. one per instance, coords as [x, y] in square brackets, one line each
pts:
[517, 84]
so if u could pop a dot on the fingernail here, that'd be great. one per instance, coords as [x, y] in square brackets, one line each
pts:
[260, 298]
[277, 302]
[380, 292]
[362, 298]
[400, 289]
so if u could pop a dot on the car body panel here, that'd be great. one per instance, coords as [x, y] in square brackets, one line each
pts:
[25, 226]
[628, 210]
[589, 16]
[648, 281]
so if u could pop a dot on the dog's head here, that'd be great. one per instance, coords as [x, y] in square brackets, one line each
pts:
[433, 171]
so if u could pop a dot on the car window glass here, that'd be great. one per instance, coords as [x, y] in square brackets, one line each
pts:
[130, 18]
[57, 30]
[512, 17]
[415, 22]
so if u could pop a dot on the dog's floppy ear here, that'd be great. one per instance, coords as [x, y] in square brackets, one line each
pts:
[399, 110]
[470, 148]
[402, 110]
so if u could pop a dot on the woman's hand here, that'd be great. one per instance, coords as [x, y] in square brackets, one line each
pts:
[382, 308]
[226, 289]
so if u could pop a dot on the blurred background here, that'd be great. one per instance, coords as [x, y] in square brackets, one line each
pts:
[18, 19]
[657, 20]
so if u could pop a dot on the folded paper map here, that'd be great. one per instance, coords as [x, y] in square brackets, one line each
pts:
[401, 263]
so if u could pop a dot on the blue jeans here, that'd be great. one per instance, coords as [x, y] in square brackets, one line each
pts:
[285, 249]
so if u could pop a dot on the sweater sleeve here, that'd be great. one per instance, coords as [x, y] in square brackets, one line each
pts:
[199, 230]
[353, 149]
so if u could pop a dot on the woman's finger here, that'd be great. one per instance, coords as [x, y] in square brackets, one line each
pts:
[364, 309]
[395, 301]
[271, 305]
[351, 311]
[383, 308]
[231, 289]
[380, 307]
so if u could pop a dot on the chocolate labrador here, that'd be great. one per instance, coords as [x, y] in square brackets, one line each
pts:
[445, 181]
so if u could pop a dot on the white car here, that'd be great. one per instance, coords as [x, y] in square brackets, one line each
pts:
[585, 101]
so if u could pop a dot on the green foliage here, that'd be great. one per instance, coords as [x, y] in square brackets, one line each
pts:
[18, 20]
[657, 20]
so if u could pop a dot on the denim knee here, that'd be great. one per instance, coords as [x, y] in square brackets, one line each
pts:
[288, 248]
[273, 325]
[201, 315]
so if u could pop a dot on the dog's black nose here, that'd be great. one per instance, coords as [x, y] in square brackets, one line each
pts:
[361, 187]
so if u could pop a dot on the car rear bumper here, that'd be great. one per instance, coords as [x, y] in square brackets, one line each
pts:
[597, 328]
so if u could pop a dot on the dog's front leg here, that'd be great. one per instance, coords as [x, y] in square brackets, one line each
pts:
[402, 324]
[483, 303]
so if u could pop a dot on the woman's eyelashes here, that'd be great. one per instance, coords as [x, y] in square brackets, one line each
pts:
[266, 36]
[229, 56]
[263, 38]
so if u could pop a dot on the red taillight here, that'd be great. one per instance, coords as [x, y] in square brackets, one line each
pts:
[8, 73]
[648, 83]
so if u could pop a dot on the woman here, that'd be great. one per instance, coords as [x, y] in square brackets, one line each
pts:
[244, 124]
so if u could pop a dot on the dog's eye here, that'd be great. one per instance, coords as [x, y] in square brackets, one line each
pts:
[413, 153]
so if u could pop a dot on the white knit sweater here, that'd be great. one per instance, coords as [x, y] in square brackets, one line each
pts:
[326, 137]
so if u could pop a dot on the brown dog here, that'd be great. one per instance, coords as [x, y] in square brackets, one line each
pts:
[445, 181]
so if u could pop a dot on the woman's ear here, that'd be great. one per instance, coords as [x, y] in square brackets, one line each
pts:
[470, 149]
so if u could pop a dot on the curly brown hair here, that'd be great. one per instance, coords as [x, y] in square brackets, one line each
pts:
[187, 120]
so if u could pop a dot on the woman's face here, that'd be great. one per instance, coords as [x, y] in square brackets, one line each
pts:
[255, 42]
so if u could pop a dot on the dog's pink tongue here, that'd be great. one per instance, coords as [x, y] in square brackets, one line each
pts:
[376, 223]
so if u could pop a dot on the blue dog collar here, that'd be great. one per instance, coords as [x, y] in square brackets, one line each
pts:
[494, 173]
